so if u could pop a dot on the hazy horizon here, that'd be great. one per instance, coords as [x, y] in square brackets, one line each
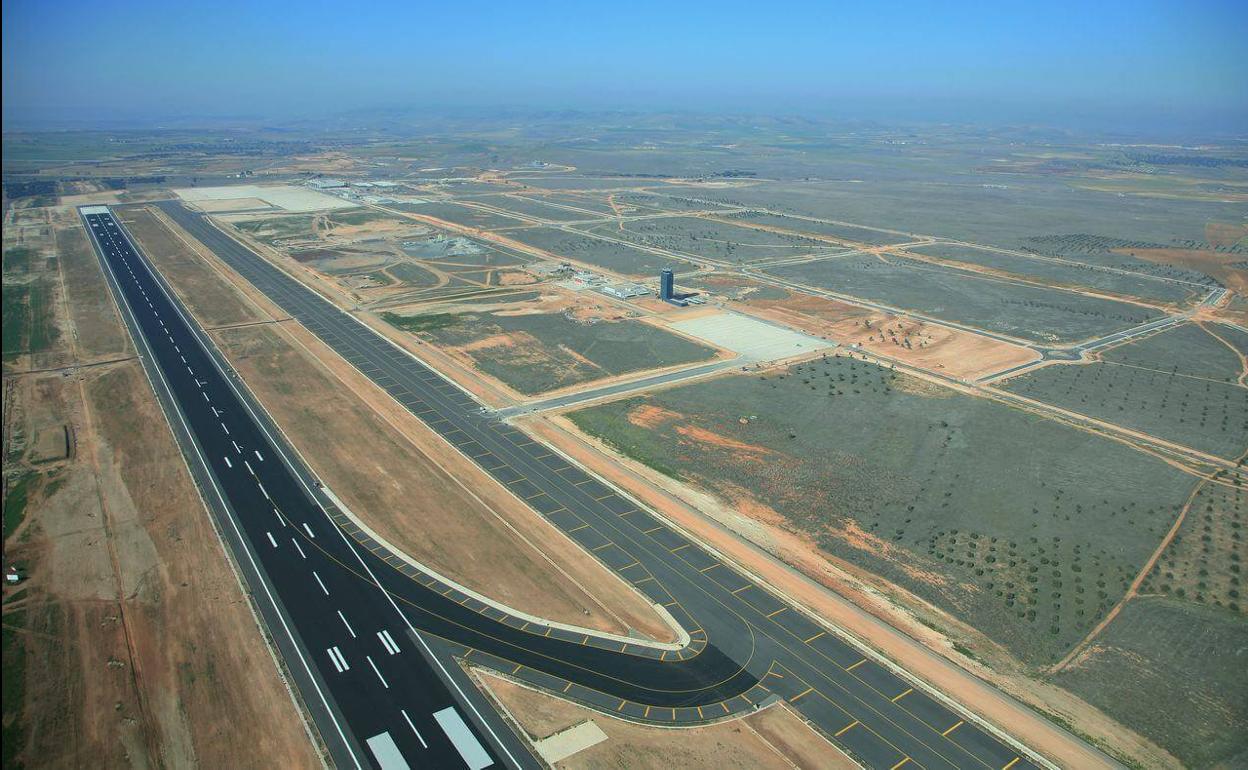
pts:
[1148, 68]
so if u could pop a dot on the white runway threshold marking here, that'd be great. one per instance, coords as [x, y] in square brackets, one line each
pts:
[469, 748]
[386, 751]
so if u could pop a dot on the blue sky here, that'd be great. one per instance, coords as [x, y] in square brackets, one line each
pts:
[1043, 62]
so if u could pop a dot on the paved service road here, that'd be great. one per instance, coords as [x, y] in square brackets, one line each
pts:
[747, 646]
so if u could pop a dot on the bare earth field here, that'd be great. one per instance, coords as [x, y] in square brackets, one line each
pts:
[917, 343]
[411, 479]
[131, 643]
[773, 738]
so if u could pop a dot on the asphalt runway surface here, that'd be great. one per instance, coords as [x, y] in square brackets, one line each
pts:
[747, 646]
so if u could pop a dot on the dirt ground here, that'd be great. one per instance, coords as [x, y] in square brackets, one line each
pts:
[775, 737]
[131, 642]
[401, 479]
[894, 622]
[932, 347]
[213, 301]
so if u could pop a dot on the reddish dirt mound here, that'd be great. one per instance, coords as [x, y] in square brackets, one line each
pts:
[710, 437]
[650, 416]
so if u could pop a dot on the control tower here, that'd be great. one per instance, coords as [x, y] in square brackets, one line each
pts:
[666, 285]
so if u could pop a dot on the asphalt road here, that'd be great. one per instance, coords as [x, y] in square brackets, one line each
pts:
[365, 678]
[747, 645]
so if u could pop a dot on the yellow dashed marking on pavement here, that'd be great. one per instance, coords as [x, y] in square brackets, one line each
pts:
[856, 665]
[647, 714]
[777, 612]
[653, 529]
[725, 705]
[708, 569]
[516, 670]
[904, 694]
[604, 545]
[630, 566]
[621, 706]
[567, 687]
[801, 694]
[742, 588]
[577, 529]
[846, 729]
[951, 729]
[680, 548]
[700, 715]
[1013, 762]
[899, 764]
[816, 636]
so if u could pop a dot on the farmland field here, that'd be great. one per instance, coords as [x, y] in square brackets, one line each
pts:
[1157, 386]
[710, 239]
[1067, 272]
[921, 486]
[615, 257]
[846, 232]
[462, 215]
[1029, 312]
[1175, 672]
[534, 352]
[533, 208]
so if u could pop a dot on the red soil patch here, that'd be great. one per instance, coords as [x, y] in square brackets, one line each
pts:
[710, 437]
[650, 416]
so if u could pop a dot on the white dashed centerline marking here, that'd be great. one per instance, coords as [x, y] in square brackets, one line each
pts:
[272, 539]
[343, 618]
[263, 491]
[320, 582]
[228, 464]
[384, 683]
[308, 529]
[249, 470]
[297, 548]
[419, 737]
[259, 456]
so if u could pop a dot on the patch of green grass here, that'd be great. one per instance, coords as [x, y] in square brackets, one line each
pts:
[43, 332]
[18, 259]
[591, 423]
[421, 323]
[15, 502]
[16, 313]
[1160, 652]
[14, 687]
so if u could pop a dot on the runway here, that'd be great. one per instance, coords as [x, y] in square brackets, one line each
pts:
[747, 646]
